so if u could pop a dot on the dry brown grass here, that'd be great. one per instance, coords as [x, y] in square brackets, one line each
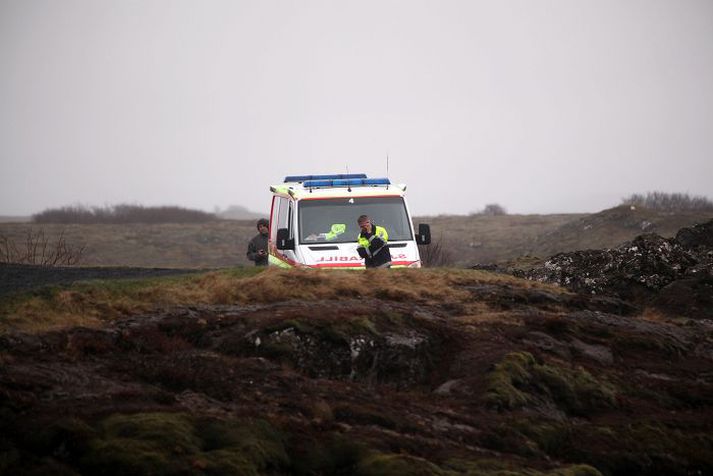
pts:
[274, 285]
[465, 240]
[93, 304]
[480, 313]
[171, 245]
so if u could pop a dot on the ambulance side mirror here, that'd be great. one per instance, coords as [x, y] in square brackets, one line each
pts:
[424, 234]
[283, 240]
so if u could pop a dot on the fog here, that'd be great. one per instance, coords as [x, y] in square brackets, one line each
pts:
[542, 107]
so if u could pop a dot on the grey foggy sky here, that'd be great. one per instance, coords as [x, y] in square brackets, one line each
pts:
[541, 106]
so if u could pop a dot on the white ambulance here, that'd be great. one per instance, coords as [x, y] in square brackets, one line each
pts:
[313, 221]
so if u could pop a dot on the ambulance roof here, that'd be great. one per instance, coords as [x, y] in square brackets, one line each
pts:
[335, 186]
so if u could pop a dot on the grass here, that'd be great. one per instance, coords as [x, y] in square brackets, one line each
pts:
[95, 303]
[467, 239]
[206, 245]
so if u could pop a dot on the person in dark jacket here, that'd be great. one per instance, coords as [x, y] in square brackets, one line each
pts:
[373, 244]
[257, 248]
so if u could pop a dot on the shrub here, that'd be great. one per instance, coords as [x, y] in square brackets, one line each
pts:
[436, 254]
[39, 250]
[668, 201]
[122, 214]
[491, 210]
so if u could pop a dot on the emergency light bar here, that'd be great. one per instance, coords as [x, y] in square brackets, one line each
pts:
[305, 178]
[351, 182]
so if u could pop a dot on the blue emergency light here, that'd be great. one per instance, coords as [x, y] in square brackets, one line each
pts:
[350, 182]
[305, 178]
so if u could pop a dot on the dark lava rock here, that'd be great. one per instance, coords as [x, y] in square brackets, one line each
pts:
[692, 297]
[676, 272]
[697, 237]
[648, 263]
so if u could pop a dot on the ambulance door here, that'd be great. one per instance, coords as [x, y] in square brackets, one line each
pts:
[285, 219]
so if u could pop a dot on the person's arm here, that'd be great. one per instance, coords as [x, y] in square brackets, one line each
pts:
[377, 242]
[362, 252]
[252, 251]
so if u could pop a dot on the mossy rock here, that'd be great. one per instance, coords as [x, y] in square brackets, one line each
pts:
[337, 331]
[548, 436]
[174, 443]
[120, 456]
[648, 448]
[502, 384]
[518, 380]
[161, 430]
[263, 445]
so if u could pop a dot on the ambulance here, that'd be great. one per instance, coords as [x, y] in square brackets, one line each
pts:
[313, 221]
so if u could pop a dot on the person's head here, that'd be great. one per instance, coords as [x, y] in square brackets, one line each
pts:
[263, 226]
[364, 223]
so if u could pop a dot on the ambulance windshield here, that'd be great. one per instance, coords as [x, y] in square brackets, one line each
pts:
[334, 220]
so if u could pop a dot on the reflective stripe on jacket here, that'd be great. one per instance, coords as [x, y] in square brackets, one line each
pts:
[374, 247]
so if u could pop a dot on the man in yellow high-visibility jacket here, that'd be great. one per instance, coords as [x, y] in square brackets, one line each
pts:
[373, 244]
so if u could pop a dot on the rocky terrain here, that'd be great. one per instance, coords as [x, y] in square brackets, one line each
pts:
[672, 275]
[426, 372]
[609, 228]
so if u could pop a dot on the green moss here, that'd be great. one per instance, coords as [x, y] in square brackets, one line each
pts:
[576, 390]
[340, 330]
[119, 456]
[169, 443]
[343, 330]
[548, 436]
[685, 451]
[502, 383]
[627, 449]
[394, 317]
[258, 441]
[519, 380]
[162, 430]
